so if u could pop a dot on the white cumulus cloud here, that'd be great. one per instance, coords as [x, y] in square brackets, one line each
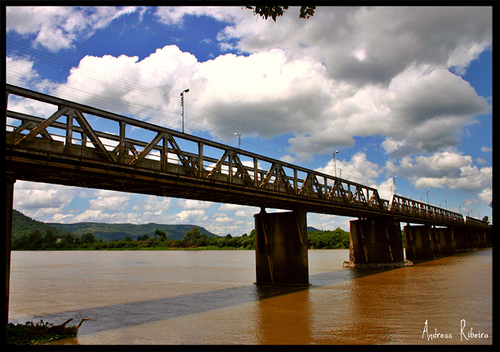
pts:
[56, 28]
[443, 169]
[39, 200]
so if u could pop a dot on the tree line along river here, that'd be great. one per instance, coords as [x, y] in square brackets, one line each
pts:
[35, 240]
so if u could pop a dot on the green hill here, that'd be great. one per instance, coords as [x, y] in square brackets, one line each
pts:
[24, 225]
[110, 232]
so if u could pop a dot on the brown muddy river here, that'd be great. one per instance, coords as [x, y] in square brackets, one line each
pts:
[208, 297]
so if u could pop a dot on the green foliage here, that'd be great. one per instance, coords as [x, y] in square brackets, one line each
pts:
[337, 239]
[194, 237]
[160, 235]
[142, 238]
[24, 225]
[278, 11]
[110, 232]
[88, 238]
[35, 334]
[50, 237]
[160, 238]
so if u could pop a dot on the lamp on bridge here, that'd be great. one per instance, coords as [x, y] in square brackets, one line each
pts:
[335, 162]
[239, 139]
[182, 105]
[394, 182]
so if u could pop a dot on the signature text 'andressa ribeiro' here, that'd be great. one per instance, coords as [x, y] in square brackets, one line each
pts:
[465, 333]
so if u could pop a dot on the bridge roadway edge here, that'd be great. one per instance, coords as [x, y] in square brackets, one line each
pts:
[71, 171]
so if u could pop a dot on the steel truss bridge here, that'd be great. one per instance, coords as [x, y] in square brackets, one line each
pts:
[63, 142]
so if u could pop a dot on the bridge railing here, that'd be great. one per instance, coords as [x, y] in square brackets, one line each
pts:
[407, 206]
[57, 126]
[77, 130]
[476, 223]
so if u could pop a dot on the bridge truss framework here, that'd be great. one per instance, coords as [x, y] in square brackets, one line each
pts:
[69, 147]
[63, 142]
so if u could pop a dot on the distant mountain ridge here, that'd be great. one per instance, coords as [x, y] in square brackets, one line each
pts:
[24, 225]
[110, 232]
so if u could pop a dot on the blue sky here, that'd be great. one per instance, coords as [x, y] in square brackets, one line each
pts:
[399, 91]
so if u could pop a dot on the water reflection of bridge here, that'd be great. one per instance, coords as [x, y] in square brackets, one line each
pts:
[67, 143]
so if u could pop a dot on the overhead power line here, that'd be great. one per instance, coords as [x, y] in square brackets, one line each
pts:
[196, 113]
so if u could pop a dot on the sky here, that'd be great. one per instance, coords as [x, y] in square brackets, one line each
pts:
[403, 93]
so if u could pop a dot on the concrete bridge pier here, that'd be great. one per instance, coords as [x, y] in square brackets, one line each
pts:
[444, 237]
[472, 238]
[419, 242]
[425, 242]
[460, 239]
[281, 248]
[489, 238]
[479, 239]
[375, 241]
[483, 239]
[436, 247]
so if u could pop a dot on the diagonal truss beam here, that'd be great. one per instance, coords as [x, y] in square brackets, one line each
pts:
[281, 179]
[241, 170]
[338, 191]
[232, 161]
[180, 154]
[375, 199]
[359, 195]
[147, 149]
[310, 183]
[218, 165]
[84, 124]
[41, 128]
[28, 125]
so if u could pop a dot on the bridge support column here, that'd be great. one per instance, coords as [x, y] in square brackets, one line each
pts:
[375, 242]
[419, 243]
[460, 239]
[472, 238]
[9, 201]
[281, 248]
[482, 239]
[445, 239]
[489, 238]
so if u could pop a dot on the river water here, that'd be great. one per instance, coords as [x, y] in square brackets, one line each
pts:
[208, 297]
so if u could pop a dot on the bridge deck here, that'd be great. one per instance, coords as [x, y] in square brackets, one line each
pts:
[77, 145]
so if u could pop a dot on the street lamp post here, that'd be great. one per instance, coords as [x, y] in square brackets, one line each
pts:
[427, 193]
[239, 139]
[335, 162]
[182, 105]
[394, 182]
